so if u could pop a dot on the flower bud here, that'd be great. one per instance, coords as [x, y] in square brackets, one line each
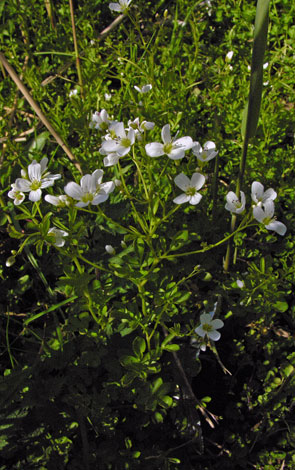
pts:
[10, 261]
[110, 250]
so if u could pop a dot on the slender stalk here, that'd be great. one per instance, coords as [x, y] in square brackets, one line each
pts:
[78, 64]
[228, 255]
[215, 187]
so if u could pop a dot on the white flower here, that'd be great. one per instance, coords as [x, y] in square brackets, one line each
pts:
[73, 92]
[264, 215]
[233, 204]
[209, 326]
[173, 148]
[144, 88]
[107, 96]
[190, 188]
[111, 159]
[264, 66]
[121, 143]
[16, 195]
[100, 120]
[209, 7]
[35, 179]
[140, 128]
[90, 190]
[205, 154]
[121, 7]
[57, 236]
[240, 283]
[58, 201]
[229, 55]
[110, 249]
[259, 196]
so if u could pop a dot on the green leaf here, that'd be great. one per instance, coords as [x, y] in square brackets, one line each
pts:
[138, 346]
[281, 306]
[171, 347]
[252, 109]
[3, 219]
[13, 233]
[38, 143]
[128, 378]
[168, 339]
[156, 385]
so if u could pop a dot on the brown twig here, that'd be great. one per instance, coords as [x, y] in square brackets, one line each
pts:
[37, 110]
[78, 64]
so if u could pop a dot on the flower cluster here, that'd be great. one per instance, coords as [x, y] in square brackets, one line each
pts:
[262, 209]
[33, 180]
[118, 140]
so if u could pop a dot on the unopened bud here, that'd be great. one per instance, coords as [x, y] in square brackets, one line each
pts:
[110, 250]
[10, 261]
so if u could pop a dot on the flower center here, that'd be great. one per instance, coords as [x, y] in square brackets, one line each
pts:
[167, 148]
[126, 142]
[87, 197]
[267, 220]
[190, 191]
[103, 126]
[35, 184]
[18, 195]
[113, 134]
[207, 327]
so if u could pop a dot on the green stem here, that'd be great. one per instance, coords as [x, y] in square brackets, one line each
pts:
[228, 255]
[209, 247]
[137, 27]
[141, 292]
[85, 292]
[215, 187]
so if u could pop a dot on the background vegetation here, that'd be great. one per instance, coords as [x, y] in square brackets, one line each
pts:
[71, 396]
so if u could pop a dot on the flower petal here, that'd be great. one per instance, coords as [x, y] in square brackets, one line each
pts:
[195, 199]
[73, 190]
[185, 143]
[269, 194]
[155, 149]
[115, 7]
[34, 171]
[22, 185]
[200, 331]
[258, 214]
[166, 135]
[101, 197]
[176, 154]
[111, 159]
[269, 208]
[182, 181]
[277, 226]
[108, 187]
[35, 196]
[181, 199]
[217, 323]
[214, 335]
[198, 180]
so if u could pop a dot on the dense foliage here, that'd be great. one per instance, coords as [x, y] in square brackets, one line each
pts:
[106, 360]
